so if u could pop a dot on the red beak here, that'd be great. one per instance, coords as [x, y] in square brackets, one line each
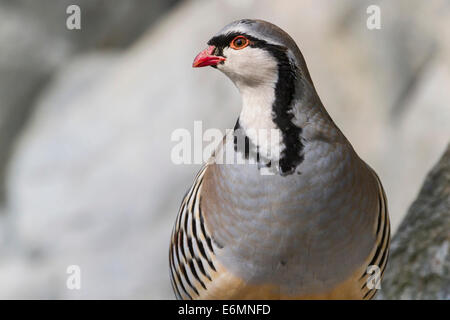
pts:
[206, 58]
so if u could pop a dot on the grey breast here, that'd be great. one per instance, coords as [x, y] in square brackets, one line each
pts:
[304, 232]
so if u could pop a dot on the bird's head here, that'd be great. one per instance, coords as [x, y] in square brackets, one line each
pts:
[270, 72]
[251, 53]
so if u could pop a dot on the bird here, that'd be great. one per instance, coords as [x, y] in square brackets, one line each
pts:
[293, 215]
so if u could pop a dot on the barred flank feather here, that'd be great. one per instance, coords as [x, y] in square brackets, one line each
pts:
[383, 235]
[191, 251]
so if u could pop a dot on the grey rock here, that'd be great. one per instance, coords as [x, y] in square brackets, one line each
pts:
[35, 42]
[419, 262]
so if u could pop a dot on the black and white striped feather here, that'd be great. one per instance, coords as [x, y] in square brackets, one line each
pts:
[191, 254]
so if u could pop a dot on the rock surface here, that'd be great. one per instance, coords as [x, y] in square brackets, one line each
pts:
[35, 43]
[419, 262]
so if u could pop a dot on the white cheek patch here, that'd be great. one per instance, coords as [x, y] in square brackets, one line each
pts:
[250, 67]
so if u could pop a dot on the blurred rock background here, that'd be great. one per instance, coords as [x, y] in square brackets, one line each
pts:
[86, 118]
[419, 264]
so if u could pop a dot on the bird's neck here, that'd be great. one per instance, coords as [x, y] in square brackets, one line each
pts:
[256, 120]
[257, 105]
[266, 120]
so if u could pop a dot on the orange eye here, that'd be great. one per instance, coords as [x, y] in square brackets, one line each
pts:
[240, 42]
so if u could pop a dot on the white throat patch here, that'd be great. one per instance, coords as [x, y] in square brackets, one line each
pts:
[256, 118]
[254, 71]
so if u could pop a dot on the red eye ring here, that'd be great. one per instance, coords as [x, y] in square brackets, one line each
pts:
[238, 43]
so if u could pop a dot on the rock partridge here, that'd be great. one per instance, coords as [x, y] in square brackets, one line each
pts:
[306, 222]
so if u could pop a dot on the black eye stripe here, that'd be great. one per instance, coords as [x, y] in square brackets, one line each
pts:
[224, 40]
